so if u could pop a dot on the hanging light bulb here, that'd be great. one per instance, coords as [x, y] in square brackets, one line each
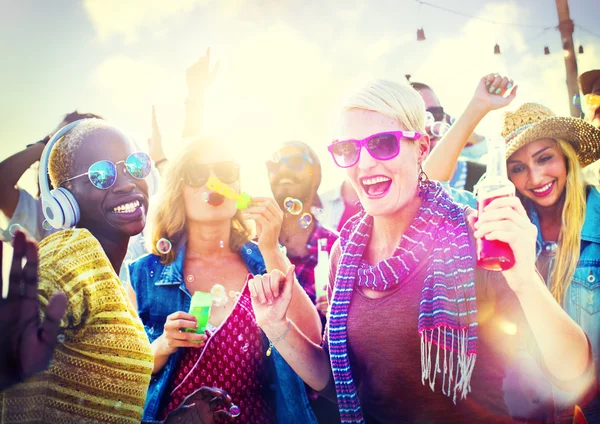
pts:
[496, 49]
[580, 49]
[546, 50]
[420, 34]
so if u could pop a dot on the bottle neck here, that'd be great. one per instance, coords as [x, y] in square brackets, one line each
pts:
[496, 166]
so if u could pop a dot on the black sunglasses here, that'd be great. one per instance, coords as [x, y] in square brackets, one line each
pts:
[197, 175]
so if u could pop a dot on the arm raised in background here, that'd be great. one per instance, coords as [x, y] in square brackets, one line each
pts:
[493, 92]
[11, 170]
[155, 146]
[199, 77]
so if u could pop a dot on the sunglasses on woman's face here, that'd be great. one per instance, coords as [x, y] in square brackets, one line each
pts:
[294, 162]
[382, 146]
[103, 174]
[197, 175]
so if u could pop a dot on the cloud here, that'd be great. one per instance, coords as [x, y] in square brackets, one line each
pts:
[126, 18]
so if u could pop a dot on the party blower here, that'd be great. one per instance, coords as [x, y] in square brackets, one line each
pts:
[242, 200]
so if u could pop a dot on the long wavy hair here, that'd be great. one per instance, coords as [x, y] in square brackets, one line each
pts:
[169, 220]
[573, 217]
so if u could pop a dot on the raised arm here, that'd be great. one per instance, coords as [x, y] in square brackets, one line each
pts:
[199, 77]
[492, 92]
[11, 169]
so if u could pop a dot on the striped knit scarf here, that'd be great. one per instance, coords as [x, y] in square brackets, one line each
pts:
[448, 311]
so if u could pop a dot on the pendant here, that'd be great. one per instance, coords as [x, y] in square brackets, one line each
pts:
[269, 350]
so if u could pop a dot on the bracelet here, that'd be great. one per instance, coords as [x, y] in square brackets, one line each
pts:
[272, 343]
[157, 164]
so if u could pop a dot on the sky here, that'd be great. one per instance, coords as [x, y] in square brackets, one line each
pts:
[284, 65]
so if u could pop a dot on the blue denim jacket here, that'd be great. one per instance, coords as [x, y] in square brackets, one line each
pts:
[161, 290]
[582, 298]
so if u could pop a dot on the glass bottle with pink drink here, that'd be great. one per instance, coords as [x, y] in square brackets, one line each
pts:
[494, 255]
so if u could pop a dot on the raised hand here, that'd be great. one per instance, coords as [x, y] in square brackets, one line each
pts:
[174, 335]
[271, 296]
[494, 92]
[200, 408]
[26, 344]
[506, 220]
[268, 217]
[199, 76]
[155, 146]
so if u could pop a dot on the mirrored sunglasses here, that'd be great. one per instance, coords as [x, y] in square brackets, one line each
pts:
[381, 146]
[294, 162]
[103, 174]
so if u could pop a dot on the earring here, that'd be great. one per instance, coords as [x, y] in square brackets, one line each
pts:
[424, 181]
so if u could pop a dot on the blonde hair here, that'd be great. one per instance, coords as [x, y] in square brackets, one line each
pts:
[169, 219]
[398, 101]
[572, 219]
[60, 161]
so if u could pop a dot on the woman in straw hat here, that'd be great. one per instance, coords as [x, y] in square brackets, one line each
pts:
[545, 155]
[414, 326]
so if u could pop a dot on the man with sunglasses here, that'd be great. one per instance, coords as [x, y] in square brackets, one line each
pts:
[468, 170]
[295, 171]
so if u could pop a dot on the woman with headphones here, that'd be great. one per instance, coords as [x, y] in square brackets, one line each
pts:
[102, 365]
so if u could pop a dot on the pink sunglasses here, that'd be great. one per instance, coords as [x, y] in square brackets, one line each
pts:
[381, 146]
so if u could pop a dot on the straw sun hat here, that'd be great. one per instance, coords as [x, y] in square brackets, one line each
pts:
[533, 121]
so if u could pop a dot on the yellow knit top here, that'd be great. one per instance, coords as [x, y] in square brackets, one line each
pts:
[102, 365]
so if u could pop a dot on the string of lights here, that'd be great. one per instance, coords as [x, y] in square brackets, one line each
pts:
[480, 18]
[588, 31]
[421, 31]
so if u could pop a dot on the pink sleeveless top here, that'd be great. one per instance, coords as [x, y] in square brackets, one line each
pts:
[233, 359]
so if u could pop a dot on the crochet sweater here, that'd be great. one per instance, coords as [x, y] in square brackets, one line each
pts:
[102, 364]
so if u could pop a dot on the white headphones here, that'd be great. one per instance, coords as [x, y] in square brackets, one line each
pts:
[59, 206]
